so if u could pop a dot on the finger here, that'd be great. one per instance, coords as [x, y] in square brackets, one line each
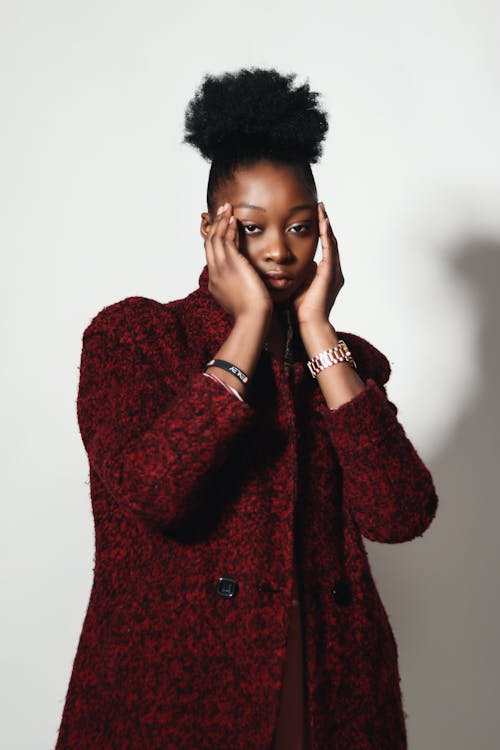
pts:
[325, 233]
[322, 209]
[218, 233]
[324, 220]
[209, 248]
[312, 272]
[211, 230]
[209, 253]
[333, 249]
[339, 275]
[233, 232]
[231, 236]
[215, 221]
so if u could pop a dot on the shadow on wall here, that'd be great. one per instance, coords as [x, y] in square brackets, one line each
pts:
[465, 605]
[442, 589]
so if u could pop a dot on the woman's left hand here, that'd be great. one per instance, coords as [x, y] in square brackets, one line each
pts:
[314, 299]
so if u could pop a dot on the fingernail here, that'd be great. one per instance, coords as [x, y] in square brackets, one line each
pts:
[220, 209]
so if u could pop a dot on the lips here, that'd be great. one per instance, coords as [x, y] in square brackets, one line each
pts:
[277, 275]
[278, 280]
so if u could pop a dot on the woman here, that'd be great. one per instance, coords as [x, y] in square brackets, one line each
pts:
[239, 449]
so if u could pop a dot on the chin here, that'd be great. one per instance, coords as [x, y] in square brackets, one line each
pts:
[282, 297]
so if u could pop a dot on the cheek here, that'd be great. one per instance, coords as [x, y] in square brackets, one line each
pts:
[248, 250]
[307, 252]
[249, 247]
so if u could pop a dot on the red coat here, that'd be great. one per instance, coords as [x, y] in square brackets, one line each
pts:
[189, 485]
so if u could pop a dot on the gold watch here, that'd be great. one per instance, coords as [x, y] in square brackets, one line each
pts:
[333, 356]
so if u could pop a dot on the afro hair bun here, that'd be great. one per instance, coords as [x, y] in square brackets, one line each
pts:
[255, 110]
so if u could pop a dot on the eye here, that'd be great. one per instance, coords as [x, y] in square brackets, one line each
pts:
[250, 228]
[301, 228]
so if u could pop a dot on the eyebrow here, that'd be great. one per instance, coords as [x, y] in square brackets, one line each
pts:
[260, 208]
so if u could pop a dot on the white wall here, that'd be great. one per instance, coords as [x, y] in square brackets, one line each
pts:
[100, 200]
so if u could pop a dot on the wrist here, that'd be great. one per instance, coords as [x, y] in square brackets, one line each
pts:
[242, 347]
[256, 320]
[318, 336]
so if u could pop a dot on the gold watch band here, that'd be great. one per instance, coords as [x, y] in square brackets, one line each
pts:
[332, 356]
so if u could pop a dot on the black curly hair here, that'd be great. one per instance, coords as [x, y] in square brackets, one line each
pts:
[239, 118]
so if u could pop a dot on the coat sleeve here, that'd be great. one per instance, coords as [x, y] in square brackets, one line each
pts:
[154, 438]
[388, 490]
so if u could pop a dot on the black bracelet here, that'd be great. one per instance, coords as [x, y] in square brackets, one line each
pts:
[229, 367]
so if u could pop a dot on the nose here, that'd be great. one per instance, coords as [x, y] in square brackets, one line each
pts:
[278, 250]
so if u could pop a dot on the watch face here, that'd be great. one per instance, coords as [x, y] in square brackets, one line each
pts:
[348, 356]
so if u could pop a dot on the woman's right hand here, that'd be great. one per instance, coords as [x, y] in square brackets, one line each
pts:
[232, 280]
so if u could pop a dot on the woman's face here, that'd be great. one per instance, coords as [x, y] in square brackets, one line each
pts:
[277, 224]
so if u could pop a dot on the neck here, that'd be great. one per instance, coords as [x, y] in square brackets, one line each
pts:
[279, 330]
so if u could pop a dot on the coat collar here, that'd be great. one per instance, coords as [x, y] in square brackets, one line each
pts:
[217, 322]
[211, 324]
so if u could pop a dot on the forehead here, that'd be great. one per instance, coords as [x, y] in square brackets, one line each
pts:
[267, 184]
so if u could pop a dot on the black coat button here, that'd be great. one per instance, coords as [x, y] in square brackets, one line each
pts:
[342, 592]
[227, 587]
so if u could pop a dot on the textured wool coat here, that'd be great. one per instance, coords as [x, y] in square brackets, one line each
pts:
[189, 486]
